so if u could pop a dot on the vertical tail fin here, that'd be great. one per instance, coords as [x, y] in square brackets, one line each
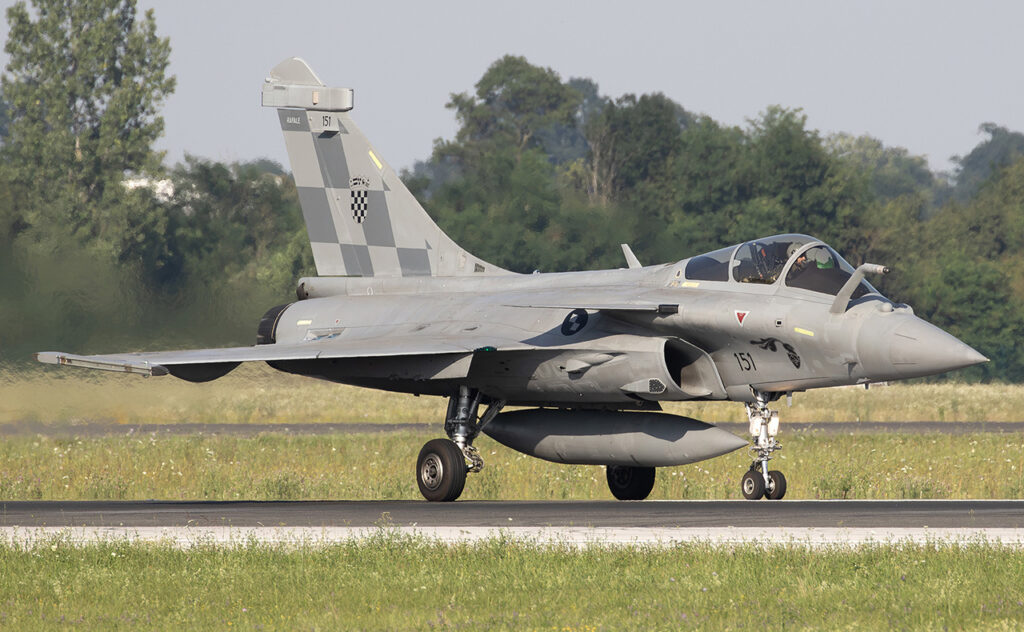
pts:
[361, 219]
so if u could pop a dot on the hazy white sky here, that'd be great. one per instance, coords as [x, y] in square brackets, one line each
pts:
[919, 74]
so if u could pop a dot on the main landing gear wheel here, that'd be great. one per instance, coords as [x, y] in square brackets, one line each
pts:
[630, 483]
[441, 470]
[443, 464]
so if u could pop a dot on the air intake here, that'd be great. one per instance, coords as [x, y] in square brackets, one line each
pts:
[266, 333]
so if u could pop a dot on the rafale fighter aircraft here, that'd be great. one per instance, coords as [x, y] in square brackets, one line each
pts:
[397, 305]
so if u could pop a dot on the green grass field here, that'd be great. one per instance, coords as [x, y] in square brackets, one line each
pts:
[380, 467]
[393, 582]
[254, 393]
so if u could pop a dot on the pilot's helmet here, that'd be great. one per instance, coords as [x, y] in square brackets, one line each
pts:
[821, 257]
[793, 247]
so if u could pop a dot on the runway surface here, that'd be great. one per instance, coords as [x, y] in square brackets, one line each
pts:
[574, 523]
[1004, 514]
[103, 429]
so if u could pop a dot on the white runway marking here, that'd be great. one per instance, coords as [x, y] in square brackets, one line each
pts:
[185, 537]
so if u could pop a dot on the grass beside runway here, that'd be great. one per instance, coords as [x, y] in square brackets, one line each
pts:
[392, 582]
[254, 393]
[380, 467]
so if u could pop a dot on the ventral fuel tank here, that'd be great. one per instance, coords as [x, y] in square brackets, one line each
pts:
[596, 437]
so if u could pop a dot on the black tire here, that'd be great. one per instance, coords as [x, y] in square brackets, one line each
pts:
[441, 470]
[776, 485]
[630, 483]
[752, 485]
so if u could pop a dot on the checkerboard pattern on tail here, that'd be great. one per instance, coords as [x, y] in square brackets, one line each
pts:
[359, 205]
[383, 231]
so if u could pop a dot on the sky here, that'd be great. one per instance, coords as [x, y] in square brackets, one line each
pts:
[917, 74]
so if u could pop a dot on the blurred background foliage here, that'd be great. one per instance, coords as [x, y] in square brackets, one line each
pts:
[103, 247]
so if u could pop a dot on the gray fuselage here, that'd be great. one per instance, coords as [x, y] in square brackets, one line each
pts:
[724, 338]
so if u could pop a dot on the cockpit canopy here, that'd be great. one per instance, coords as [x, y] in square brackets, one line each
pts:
[805, 262]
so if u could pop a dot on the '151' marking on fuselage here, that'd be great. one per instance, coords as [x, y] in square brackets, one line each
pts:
[746, 361]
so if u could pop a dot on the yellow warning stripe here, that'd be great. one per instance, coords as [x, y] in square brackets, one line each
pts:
[806, 332]
[373, 157]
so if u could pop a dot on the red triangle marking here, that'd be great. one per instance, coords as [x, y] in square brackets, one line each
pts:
[740, 315]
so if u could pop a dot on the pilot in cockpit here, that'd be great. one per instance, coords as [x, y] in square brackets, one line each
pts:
[818, 257]
[801, 261]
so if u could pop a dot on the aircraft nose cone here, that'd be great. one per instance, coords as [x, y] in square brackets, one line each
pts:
[911, 347]
[920, 344]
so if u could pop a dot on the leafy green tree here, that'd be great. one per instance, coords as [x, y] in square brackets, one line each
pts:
[972, 299]
[789, 160]
[564, 142]
[1002, 148]
[799, 186]
[82, 88]
[690, 208]
[84, 83]
[990, 226]
[892, 234]
[238, 224]
[724, 185]
[514, 100]
[967, 275]
[893, 171]
[630, 141]
[3, 118]
[500, 170]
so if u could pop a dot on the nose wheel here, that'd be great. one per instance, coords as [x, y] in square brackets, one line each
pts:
[754, 487]
[776, 485]
[760, 482]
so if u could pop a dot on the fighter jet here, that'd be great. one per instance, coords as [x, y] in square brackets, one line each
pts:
[587, 357]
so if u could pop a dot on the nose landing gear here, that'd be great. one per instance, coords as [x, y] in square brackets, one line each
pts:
[443, 463]
[759, 482]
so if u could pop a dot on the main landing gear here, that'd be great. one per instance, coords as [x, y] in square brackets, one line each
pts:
[759, 482]
[443, 463]
[630, 483]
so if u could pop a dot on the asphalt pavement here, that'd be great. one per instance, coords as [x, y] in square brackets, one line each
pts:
[917, 514]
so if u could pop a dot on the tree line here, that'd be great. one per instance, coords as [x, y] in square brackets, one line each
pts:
[103, 247]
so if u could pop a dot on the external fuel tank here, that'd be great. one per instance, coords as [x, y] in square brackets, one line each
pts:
[601, 437]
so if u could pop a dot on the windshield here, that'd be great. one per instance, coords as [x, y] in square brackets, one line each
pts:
[713, 266]
[762, 260]
[821, 269]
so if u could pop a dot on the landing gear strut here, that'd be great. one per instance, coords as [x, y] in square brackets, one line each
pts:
[443, 463]
[759, 482]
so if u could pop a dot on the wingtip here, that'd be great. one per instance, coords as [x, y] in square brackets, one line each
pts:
[47, 357]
